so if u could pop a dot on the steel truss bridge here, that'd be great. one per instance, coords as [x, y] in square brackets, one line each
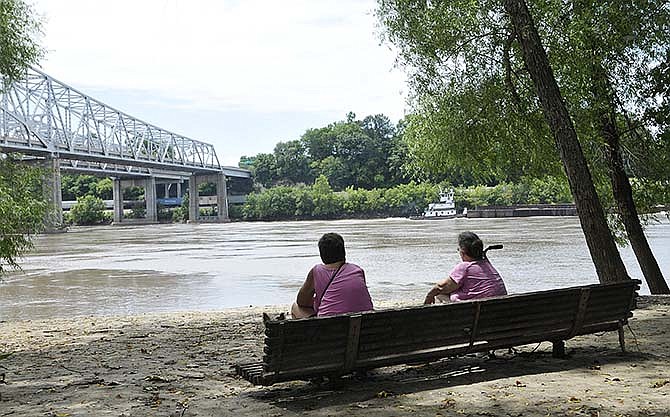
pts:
[45, 118]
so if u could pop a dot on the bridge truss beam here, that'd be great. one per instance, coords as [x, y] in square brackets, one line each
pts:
[42, 116]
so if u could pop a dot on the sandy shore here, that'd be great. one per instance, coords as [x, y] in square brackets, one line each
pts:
[180, 365]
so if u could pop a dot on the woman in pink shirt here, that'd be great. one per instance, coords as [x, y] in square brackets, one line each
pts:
[475, 277]
[334, 287]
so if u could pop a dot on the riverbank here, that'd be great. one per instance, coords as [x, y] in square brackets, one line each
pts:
[178, 364]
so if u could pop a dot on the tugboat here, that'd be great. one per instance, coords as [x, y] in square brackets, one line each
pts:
[445, 209]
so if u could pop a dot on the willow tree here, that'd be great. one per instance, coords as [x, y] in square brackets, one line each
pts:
[476, 96]
[606, 52]
[20, 31]
[22, 206]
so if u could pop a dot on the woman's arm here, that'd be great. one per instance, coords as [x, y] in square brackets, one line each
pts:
[446, 286]
[305, 296]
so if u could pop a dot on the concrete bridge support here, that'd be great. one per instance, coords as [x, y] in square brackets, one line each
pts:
[150, 200]
[221, 198]
[117, 193]
[149, 185]
[51, 186]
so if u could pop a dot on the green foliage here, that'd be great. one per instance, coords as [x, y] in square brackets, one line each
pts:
[476, 108]
[320, 201]
[235, 211]
[19, 38]
[105, 189]
[409, 199]
[22, 209]
[326, 203]
[163, 213]
[89, 210]
[22, 205]
[138, 210]
[74, 186]
[207, 189]
[364, 153]
[549, 190]
[208, 211]
[180, 214]
[133, 193]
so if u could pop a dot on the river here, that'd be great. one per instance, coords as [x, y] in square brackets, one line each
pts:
[189, 267]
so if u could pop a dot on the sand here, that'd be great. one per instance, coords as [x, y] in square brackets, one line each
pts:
[179, 364]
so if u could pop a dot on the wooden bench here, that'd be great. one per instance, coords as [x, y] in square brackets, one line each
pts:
[337, 345]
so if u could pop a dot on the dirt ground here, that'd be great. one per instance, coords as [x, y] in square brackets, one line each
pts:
[180, 365]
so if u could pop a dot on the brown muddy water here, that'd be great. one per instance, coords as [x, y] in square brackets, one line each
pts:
[185, 267]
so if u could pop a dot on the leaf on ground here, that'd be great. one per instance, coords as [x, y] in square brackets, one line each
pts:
[384, 394]
[447, 403]
[660, 383]
[156, 378]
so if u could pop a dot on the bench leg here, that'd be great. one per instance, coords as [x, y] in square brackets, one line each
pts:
[622, 342]
[558, 349]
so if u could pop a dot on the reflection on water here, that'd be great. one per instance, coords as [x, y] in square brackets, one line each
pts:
[125, 270]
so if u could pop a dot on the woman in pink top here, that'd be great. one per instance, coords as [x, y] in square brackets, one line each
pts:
[475, 277]
[334, 287]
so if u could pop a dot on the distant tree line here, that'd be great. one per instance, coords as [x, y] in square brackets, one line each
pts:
[366, 154]
[321, 201]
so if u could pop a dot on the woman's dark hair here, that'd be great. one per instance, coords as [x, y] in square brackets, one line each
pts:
[471, 244]
[331, 248]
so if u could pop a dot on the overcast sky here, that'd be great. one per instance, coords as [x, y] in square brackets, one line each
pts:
[242, 75]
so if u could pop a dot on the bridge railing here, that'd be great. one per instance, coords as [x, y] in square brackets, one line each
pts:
[42, 115]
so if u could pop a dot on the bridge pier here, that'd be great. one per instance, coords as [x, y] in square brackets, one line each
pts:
[51, 187]
[150, 200]
[194, 198]
[117, 193]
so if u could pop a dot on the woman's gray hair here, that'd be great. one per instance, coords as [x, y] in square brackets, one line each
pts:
[472, 245]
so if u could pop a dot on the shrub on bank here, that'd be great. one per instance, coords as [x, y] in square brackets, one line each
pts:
[320, 201]
[89, 210]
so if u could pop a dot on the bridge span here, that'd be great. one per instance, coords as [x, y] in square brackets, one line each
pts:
[63, 129]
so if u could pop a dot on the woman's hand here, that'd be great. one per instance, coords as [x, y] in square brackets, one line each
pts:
[445, 287]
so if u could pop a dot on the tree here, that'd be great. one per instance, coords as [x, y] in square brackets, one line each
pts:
[89, 210]
[293, 164]
[613, 45]
[479, 57]
[19, 39]
[22, 209]
[74, 186]
[364, 153]
[265, 170]
[22, 204]
[604, 253]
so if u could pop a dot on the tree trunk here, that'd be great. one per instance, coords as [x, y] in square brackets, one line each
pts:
[604, 252]
[621, 189]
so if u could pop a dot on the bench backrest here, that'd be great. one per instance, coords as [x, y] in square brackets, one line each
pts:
[339, 344]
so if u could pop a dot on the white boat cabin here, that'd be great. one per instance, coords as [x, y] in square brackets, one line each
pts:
[445, 208]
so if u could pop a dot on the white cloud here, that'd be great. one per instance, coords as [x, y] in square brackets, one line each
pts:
[252, 54]
[256, 56]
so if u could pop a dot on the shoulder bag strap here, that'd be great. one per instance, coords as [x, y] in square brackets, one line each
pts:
[327, 286]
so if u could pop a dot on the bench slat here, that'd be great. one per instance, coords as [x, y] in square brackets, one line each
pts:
[335, 345]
